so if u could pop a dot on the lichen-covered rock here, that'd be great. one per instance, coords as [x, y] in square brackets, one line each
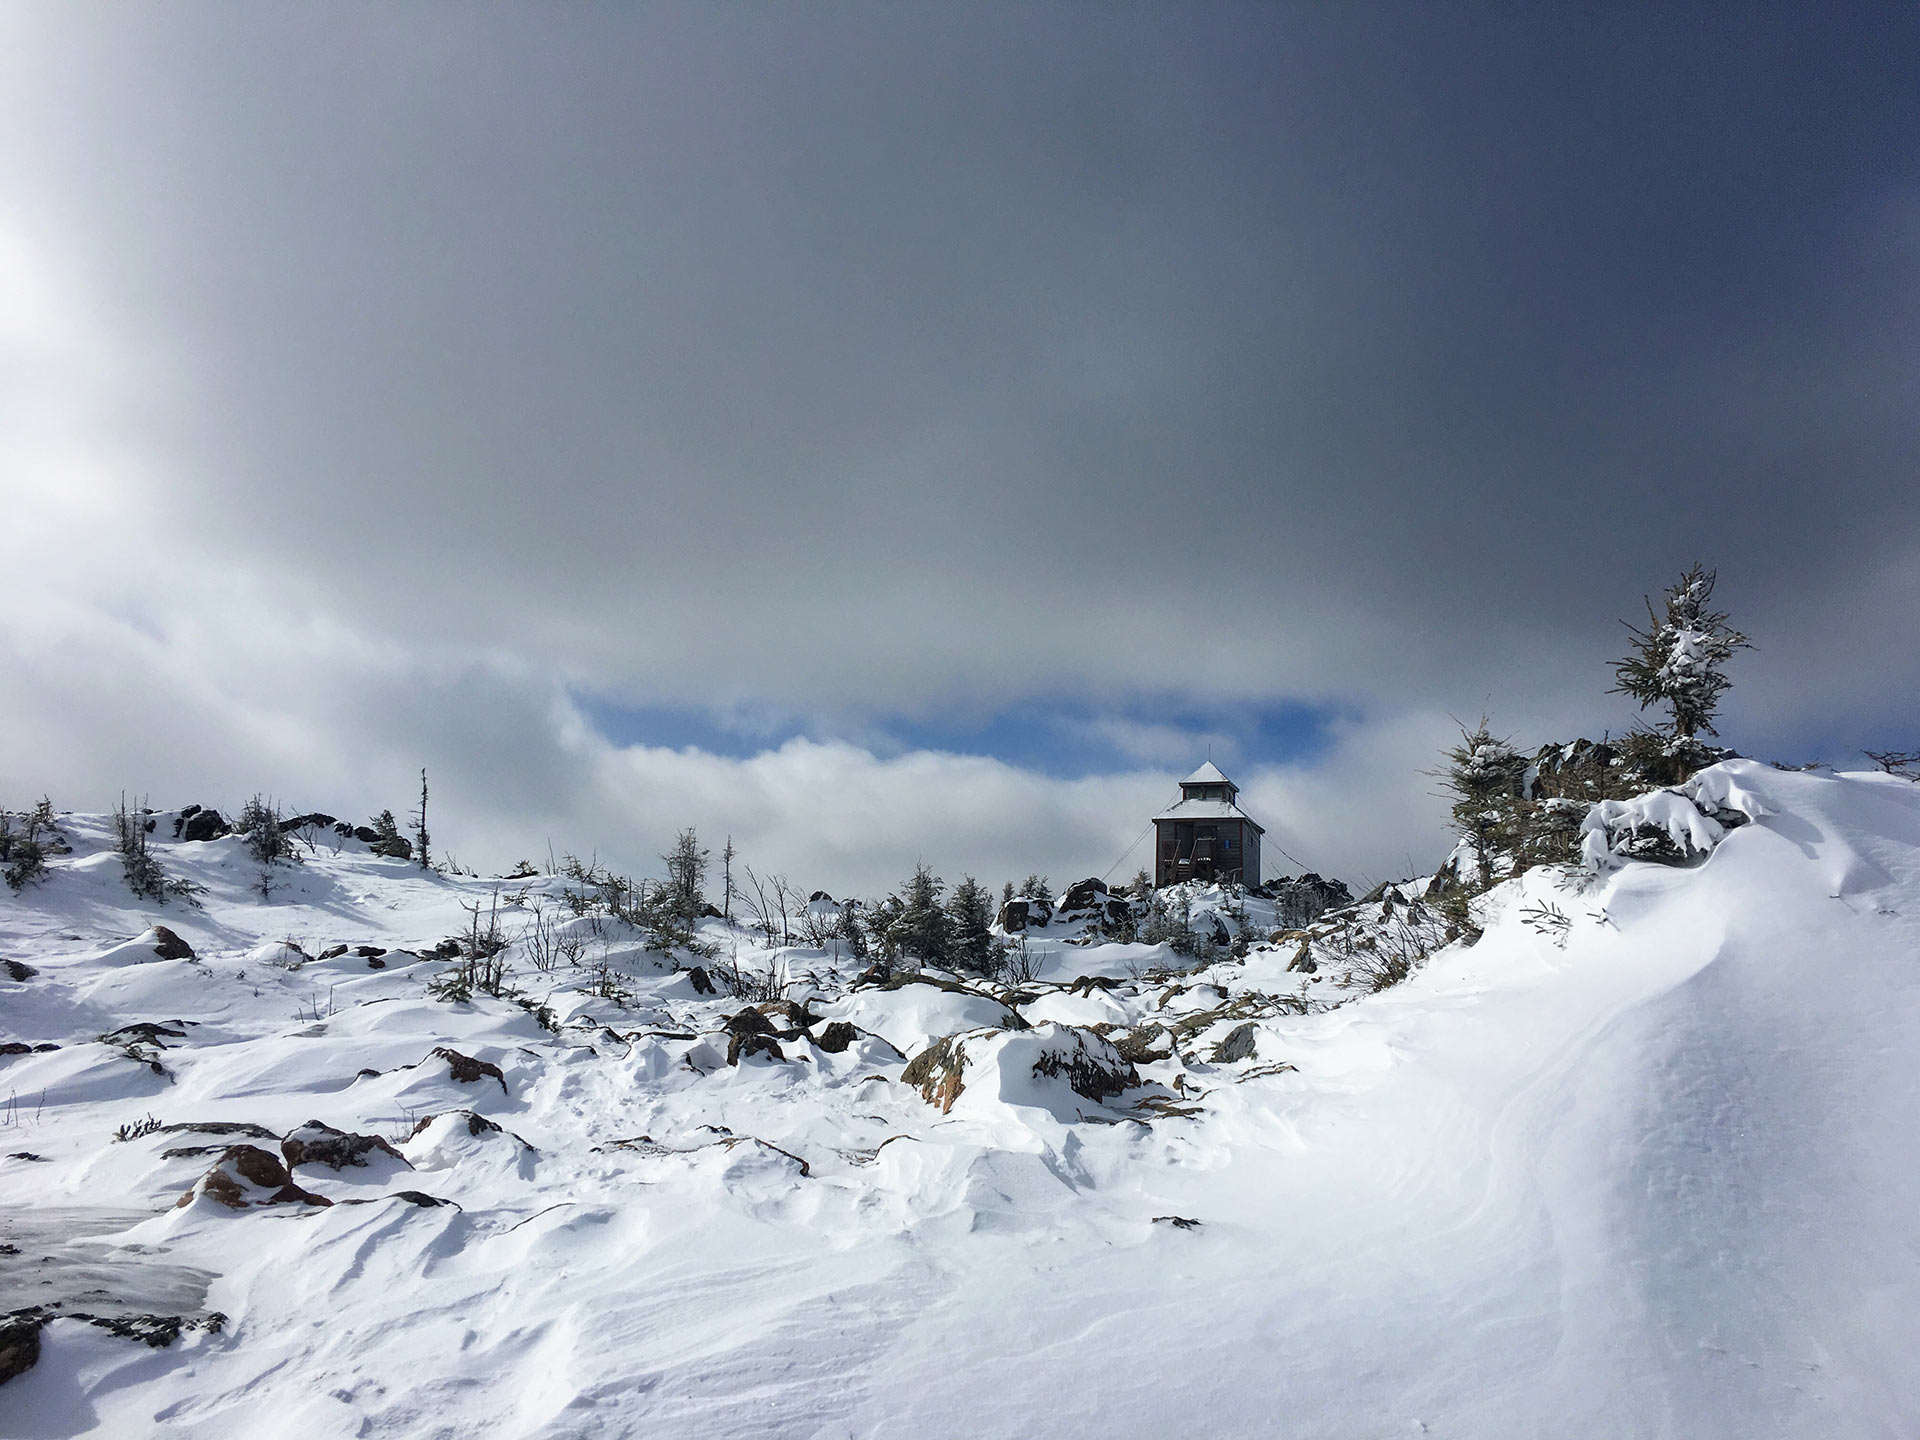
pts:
[246, 1177]
[1239, 1044]
[1027, 1067]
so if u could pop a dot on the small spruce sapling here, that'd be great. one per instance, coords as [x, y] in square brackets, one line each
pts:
[420, 838]
[970, 942]
[921, 929]
[265, 840]
[1677, 662]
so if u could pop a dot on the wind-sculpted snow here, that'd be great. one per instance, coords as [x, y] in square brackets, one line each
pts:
[1640, 1162]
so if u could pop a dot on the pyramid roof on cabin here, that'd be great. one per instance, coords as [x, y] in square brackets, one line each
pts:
[1194, 809]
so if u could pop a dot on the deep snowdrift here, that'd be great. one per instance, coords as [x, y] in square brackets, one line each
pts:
[1650, 1172]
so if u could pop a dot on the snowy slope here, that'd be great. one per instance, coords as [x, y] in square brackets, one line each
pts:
[1654, 1177]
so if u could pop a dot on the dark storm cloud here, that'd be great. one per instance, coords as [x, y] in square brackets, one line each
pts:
[855, 362]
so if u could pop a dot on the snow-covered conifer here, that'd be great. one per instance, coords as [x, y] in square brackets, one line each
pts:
[970, 944]
[1676, 661]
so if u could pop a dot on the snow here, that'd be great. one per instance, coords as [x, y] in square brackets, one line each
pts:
[1653, 1175]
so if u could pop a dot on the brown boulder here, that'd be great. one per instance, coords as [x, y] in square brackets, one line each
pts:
[245, 1176]
[169, 946]
[469, 1071]
[837, 1037]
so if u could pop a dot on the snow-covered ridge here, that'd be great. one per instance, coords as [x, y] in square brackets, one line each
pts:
[1498, 1198]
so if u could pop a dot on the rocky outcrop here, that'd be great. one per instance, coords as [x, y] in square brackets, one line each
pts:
[167, 945]
[751, 1033]
[837, 1037]
[1297, 903]
[317, 1144]
[246, 1177]
[469, 1071]
[19, 1345]
[1238, 1045]
[200, 824]
[1020, 1063]
[1018, 915]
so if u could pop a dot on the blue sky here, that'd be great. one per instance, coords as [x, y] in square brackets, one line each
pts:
[1062, 738]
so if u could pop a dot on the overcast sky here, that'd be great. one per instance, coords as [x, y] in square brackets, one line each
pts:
[888, 433]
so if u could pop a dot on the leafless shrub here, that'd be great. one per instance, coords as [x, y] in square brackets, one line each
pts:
[1898, 762]
[767, 901]
[548, 945]
[1019, 964]
[746, 983]
[1548, 919]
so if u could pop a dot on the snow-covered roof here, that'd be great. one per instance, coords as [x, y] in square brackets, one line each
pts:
[1207, 774]
[1208, 810]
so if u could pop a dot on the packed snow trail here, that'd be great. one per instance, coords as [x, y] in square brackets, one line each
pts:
[1658, 1180]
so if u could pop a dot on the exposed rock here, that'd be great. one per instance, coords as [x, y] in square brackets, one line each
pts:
[794, 1012]
[1013, 916]
[701, 981]
[147, 1032]
[219, 1127]
[1088, 894]
[245, 1176]
[476, 1124]
[939, 1072]
[316, 820]
[469, 1071]
[1142, 1045]
[1179, 1222]
[200, 824]
[169, 946]
[331, 952]
[741, 1047]
[317, 1144]
[420, 1198]
[1238, 1045]
[394, 847]
[751, 1033]
[18, 970]
[837, 1037]
[1298, 903]
[19, 1346]
[15, 1047]
[1090, 1066]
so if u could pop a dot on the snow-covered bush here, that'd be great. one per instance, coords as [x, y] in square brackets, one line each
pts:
[1674, 826]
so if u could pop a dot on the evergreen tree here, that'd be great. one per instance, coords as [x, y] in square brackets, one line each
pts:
[1486, 779]
[686, 872]
[1676, 661]
[920, 929]
[970, 943]
[1034, 887]
[420, 822]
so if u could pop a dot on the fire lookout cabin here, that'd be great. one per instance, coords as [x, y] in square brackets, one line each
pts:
[1206, 836]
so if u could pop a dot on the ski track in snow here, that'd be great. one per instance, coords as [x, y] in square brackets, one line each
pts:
[1659, 1181]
